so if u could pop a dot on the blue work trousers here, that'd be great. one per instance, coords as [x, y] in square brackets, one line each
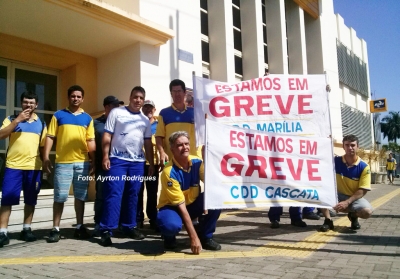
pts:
[170, 221]
[120, 193]
[274, 213]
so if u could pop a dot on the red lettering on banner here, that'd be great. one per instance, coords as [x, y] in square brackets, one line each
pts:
[243, 105]
[218, 88]
[308, 147]
[249, 102]
[303, 104]
[232, 139]
[297, 84]
[225, 109]
[237, 168]
[311, 170]
[253, 167]
[275, 168]
[295, 174]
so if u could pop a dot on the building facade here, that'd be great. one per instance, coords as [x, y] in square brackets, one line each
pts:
[110, 46]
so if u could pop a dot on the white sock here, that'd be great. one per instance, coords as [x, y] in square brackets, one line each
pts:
[3, 230]
[57, 228]
[78, 226]
[26, 226]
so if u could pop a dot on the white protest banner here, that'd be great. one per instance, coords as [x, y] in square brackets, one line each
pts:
[250, 168]
[287, 104]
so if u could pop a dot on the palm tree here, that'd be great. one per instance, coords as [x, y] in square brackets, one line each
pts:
[390, 126]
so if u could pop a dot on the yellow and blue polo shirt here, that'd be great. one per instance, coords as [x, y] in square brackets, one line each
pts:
[23, 150]
[72, 130]
[181, 186]
[171, 120]
[391, 164]
[351, 178]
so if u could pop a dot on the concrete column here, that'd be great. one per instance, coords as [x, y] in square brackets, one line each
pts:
[276, 37]
[252, 39]
[296, 39]
[220, 22]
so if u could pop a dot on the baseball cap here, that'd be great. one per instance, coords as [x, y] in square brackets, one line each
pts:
[149, 102]
[111, 100]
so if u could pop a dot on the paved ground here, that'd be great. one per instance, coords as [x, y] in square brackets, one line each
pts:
[250, 250]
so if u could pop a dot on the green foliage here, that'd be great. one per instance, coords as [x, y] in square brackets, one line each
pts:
[390, 126]
[392, 146]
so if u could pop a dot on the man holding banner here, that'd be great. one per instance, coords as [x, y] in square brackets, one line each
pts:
[181, 200]
[353, 178]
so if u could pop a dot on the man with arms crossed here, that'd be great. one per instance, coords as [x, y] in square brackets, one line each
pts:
[125, 133]
[23, 165]
[75, 158]
[353, 178]
[181, 200]
[391, 167]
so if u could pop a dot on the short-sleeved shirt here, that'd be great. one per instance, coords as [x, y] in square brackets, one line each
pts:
[391, 164]
[153, 141]
[351, 178]
[129, 130]
[72, 131]
[171, 120]
[25, 139]
[181, 186]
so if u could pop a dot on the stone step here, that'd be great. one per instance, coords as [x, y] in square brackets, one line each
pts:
[43, 216]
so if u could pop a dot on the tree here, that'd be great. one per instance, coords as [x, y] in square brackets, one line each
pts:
[392, 146]
[390, 126]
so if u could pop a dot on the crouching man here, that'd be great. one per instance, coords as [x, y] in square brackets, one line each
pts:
[353, 178]
[181, 200]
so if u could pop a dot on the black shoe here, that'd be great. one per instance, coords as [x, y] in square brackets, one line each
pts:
[135, 234]
[274, 225]
[299, 223]
[170, 243]
[328, 225]
[105, 239]
[82, 233]
[27, 235]
[139, 225]
[311, 216]
[4, 240]
[210, 244]
[154, 226]
[54, 236]
[354, 222]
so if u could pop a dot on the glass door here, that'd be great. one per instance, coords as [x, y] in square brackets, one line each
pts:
[16, 78]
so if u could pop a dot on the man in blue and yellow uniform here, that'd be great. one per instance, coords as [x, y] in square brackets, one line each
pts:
[23, 165]
[75, 159]
[353, 179]
[181, 200]
[391, 168]
[177, 117]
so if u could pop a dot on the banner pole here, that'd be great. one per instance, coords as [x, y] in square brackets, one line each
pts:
[328, 90]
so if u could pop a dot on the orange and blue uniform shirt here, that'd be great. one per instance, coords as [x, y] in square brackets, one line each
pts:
[72, 131]
[351, 178]
[391, 164]
[25, 139]
[181, 186]
[171, 120]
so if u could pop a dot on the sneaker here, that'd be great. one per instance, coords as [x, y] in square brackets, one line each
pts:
[299, 223]
[354, 222]
[311, 216]
[135, 234]
[54, 236]
[170, 243]
[4, 240]
[274, 225]
[27, 235]
[328, 225]
[105, 239]
[210, 244]
[82, 233]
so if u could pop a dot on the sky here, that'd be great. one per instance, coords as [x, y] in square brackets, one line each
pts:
[378, 23]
